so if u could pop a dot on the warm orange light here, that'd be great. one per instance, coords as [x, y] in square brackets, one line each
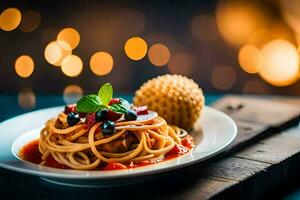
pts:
[72, 66]
[72, 93]
[56, 51]
[10, 19]
[237, 21]
[26, 98]
[24, 66]
[181, 63]
[101, 63]
[250, 59]
[70, 35]
[274, 31]
[280, 63]
[290, 12]
[260, 38]
[282, 31]
[135, 48]
[159, 55]
[31, 19]
[223, 77]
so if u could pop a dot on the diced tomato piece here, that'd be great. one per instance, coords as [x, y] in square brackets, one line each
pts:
[151, 161]
[178, 150]
[144, 162]
[113, 166]
[188, 142]
[114, 101]
[70, 108]
[141, 110]
[90, 120]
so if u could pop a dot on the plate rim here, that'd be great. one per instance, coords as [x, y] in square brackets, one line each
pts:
[130, 174]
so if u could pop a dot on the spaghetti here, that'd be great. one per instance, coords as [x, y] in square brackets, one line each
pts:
[104, 132]
[86, 148]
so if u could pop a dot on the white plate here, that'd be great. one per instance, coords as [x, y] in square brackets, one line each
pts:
[213, 132]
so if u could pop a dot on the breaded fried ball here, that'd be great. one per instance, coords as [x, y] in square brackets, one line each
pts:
[176, 98]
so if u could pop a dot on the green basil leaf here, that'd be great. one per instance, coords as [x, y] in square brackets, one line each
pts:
[89, 103]
[118, 108]
[105, 93]
[121, 107]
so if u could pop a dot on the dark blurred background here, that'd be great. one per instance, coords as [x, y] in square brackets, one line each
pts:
[234, 46]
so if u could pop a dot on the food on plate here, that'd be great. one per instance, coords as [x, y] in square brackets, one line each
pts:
[105, 133]
[176, 98]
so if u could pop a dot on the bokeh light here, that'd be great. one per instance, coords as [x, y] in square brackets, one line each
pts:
[250, 59]
[164, 38]
[56, 51]
[70, 35]
[238, 20]
[72, 93]
[182, 63]
[260, 37]
[24, 66]
[274, 31]
[290, 12]
[101, 63]
[135, 48]
[223, 77]
[26, 98]
[280, 63]
[10, 19]
[72, 66]
[102, 27]
[281, 31]
[31, 19]
[159, 55]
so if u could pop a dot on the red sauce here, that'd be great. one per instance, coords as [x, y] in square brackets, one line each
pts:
[188, 142]
[30, 152]
[114, 166]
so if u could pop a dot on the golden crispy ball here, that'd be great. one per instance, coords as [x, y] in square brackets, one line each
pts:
[176, 98]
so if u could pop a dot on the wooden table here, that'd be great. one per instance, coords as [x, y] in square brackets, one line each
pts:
[265, 156]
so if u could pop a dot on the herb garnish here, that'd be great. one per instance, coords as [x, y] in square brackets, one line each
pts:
[93, 103]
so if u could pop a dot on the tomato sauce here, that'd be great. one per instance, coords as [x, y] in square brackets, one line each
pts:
[31, 153]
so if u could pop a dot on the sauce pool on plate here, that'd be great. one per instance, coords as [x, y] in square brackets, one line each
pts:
[30, 152]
